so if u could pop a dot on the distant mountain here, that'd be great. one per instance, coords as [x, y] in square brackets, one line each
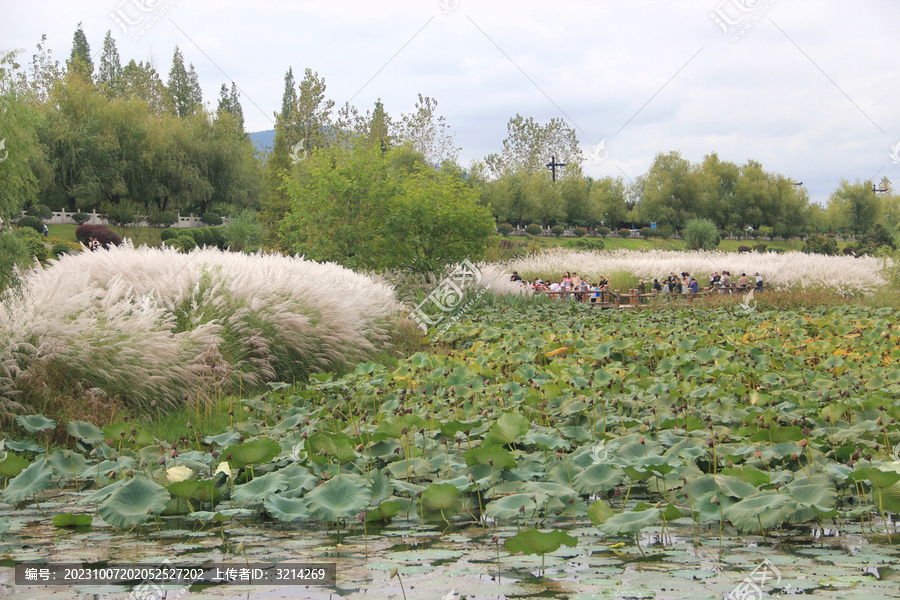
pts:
[263, 140]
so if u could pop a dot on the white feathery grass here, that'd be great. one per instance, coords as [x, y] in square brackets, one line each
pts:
[154, 324]
[788, 270]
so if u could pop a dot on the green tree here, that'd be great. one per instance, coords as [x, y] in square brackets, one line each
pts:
[140, 80]
[854, 206]
[428, 133]
[184, 87]
[80, 60]
[45, 71]
[671, 191]
[110, 71]
[575, 197]
[338, 205]
[20, 147]
[435, 220]
[529, 146]
[607, 202]
[229, 101]
[820, 244]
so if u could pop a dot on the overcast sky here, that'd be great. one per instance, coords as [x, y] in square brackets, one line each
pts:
[809, 88]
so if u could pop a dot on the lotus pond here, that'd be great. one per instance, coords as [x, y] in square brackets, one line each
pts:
[547, 452]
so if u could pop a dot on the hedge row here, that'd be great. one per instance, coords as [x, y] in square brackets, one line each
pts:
[201, 236]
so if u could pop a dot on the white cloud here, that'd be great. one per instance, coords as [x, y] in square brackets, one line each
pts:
[808, 90]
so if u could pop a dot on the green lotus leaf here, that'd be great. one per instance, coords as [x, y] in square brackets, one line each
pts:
[72, 520]
[98, 496]
[599, 478]
[253, 494]
[484, 455]
[68, 465]
[735, 487]
[206, 491]
[255, 452]
[532, 541]
[12, 465]
[393, 426]
[383, 512]
[887, 498]
[341, 497]
[379, 486]
[877, 477]
[328, 447]
[183, 489]
[86, 432]
[440, 501]
[511, 506]
[223, 440]
[134, 502]
[751, 475]
[219, 516]
[28, 483]
[25, 446]
[599, 511]
[759, 512]
[286, 509]
[815, 496]
[549, 442]
[414, 467]
[629, 522]
[507, 429]
[35, 423]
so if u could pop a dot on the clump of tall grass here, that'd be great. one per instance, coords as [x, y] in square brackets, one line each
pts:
[154, 324]
[789, 270]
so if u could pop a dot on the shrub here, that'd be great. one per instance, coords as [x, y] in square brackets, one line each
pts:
[162, 219]
[209, 238]
[724, 234]
[558, 230]
[84, 233]
[817, 244]
[742, 249]
[211, 218]
[646, 232]
[666, 231]
[624, 233]
[197, 234]
[580, 231]
[218, 237]
[533, 229]
[588, 244]
[41, 211]
[760, 247]
[701, 234]
[35, 243]
[849, 250]
[81, 218]
[505, 228]
[168, 234]
[755, 233]
[875, 238]
[31, 222]
[186, 242]
[60, 249]
[242, 232]
[603, 231]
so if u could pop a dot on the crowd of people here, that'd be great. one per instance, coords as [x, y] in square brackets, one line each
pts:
[581, 288]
